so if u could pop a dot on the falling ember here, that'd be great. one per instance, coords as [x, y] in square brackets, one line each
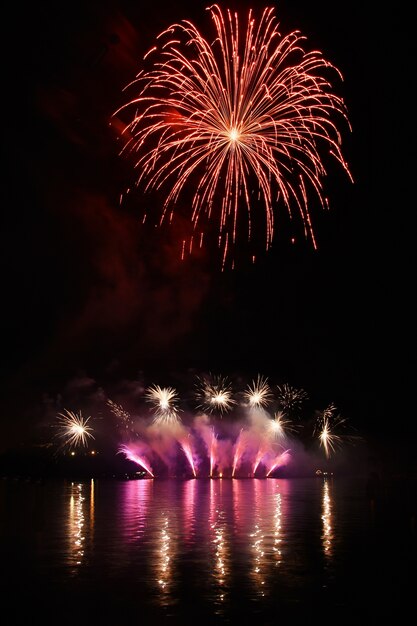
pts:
[249, 110]
[120, 413]
[132, 456]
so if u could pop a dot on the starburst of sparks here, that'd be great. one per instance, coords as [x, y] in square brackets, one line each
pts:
[280, 426]
[290, 399]
[164, 401]
[241, 121]
[215, 395]
[74, 429]
[258, 393]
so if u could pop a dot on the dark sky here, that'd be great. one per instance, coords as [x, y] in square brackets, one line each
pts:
[88, 292]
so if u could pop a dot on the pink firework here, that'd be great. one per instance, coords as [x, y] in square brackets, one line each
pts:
[212, 452]
[239, 449]
[280, 461]
[240, 119]
[259, 456]
[188, 453]
[131, 455]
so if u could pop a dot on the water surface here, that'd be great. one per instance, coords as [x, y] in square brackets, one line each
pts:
[204, 551]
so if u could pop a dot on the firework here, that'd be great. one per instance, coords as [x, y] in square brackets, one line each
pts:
[215, 395]
[258, 394]
[327, 423]
[212, 452]
[131, 455]
[239, 448]
[185, 445]
[250, 442]
[280, 461]
[290, 399]
[165, 404]
[74, 429]
[280, 426]
[240, 119]
[259, 456]
[120, 413]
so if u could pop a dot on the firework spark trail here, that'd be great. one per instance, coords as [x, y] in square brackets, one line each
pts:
[212, 452]
[279, 461]
[120, 413]
[131, 455]
[259, 456]
[252, 105]
[188, 453]
[74, 429]
[239, 449]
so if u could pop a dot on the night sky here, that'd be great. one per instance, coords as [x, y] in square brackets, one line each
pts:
[88, 294]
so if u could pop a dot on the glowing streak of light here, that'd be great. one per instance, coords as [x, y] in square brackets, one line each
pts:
[132, 456]
[251, 107]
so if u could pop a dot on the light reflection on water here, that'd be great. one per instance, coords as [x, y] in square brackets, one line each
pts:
[327, 533]
[219, 554]
[76, 521]
[221, 545]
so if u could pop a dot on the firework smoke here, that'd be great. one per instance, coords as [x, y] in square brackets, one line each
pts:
[250, 441]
